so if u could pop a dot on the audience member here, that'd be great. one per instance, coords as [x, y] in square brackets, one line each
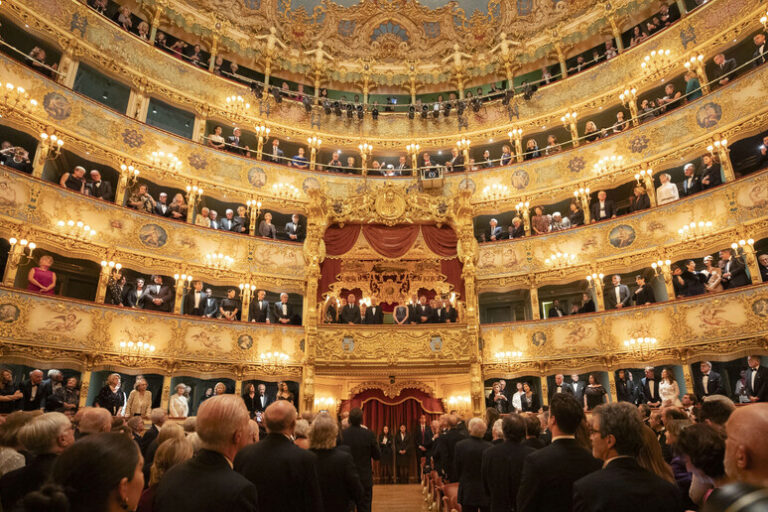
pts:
[643, 294]
[692, 182]
[594, 394]
[42, 279]
[671, 100]
[603, 208]
[170, 453]
[16, 158]
[179, 403]
[495, 233]
[760, 56]
[559, 223]
[93, 420]
[703, 448]
[402, 455]
[233, 144]
[517, 229]
[111, 397]
[734, 273]
[74, 180]
[539, 222]
[468, 457]
[711, 175]
[338, 477]
[576, 217]
[266, 228]
[99, 188]
[361, 442]
[746, 445]
[724, 69]
[617, 295]
[640, 200]
[502, 465]
[141, 200]
[757, 380]
[692, 86]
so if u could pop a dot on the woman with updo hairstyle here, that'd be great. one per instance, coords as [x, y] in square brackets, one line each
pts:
[99, 473]
[42, 279]
[170, 453]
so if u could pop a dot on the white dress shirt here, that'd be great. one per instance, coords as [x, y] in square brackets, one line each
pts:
[667, 193]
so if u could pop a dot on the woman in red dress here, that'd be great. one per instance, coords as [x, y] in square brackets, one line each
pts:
[42, 279]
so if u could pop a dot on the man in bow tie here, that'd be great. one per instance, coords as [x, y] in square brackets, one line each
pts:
[350, 314]
[283, 310]
[195, 301]
[259, 309]
[374, 315]
[709, 383]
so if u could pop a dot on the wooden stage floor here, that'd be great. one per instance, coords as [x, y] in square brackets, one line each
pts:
[398, 498]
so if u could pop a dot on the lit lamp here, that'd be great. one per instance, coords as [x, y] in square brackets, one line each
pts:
[560, 260]
[254, 210]
[764, 21]
[16, 98]
[365, 151]
[516, 140]
[50, 146]
[523, 210]
[663, 269]
[608, 164]
[21, 252]
[262, 132]
[694, 230]
[582, 195]
[194, 193]
[77, 230]
[165, 161]
[218, 261]
[314, 145]
[569, 123]
[496, 192]
[325, 404]
[510, 359]
[655, 62]
[413, 151]
[696, 63]
[107, 267]
[746, 250]
[629, 99]
[129, 175]
[285, 191]
[246, 293]
[133, 353]
[273, 362]
[463, 144]
[460, 402]
[595, 285]
[237, 107]
[641, 348]
[719, 148]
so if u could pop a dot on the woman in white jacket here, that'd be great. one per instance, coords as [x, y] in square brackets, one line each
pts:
[179, 406]
[669, 391]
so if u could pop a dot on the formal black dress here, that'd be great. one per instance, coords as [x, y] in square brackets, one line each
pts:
[109, 400]
[387, 458]
[594, 396]
[402, 460]
[339, 481]
[530, 404]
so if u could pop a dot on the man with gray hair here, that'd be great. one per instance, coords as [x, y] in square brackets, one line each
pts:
[284, 474]
[559, 223]
[46, 436]
[339, 479]
[282, 310]
[32, 391]
[617, 439]
[468, 458]
[667, 191]
[691, 183]
[93, 420]
[206, 482]
[502, 464]
[495, 230]
[99, 188]
[54, 381]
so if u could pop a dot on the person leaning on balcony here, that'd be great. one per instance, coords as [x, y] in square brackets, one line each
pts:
[603, 208]
[761, 51]
[667, 191]
[539, 221]
[140, 400]
[74, 180]
[640, 200]
[140, 199]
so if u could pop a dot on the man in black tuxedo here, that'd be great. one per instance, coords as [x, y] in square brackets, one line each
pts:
[362, 443]
[734, 274]
[456, 163]
[276, 155]
[761, 50]
[284, 474]
[161, 206]
[560, 386]
[159, 297]
[692, 182]
[233, 144]
[762, 262]
[98, 187]
[651, 388]
[374, 315]
[211, 305]
[555, 310]
[469, 460]
[502, 465]
[402, 166]
[643, 293]
[207, 482]
[228, 222]
[723, 69]
[708, 383]
[617, 295]
[350, 314]
[32, 391]
[438, 312]
[577, 387]
[424, 438]
[293, 229]
[262, 399]
[603, 208]
[445, 451]
[423, 311]
[133, 295]
[194, 301]
[757, 380]
[624, 387]
[49, 386]
[549, 473]
[282, 310]
[259, 309]
[617, 438]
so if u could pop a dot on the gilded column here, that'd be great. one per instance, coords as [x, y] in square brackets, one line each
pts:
[101, 287]
[681, 7]
[68, 65]
[165, 396]
[616, 33]
[544, 390]
[534, 301]
[687, 376]
[41, 156]
[154, 23]
[239, 386]
[561, 59]
[214, 50]
[85, 384]
[12, 266]
[612, 380]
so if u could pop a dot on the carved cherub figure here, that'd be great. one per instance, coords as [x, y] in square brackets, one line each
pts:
[272, 40]
[457, 57]
[319, 54]
[504, 45]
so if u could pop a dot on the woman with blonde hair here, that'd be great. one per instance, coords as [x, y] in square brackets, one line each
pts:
[301, 434]
[178, 207]
[179, 406]
[335, 468]
[170, 453]
[651, 459]
[111, 397]
[140, 400]
[219, 389]
[41, 278]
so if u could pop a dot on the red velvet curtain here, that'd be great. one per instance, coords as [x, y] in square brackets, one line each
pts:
[440, 240]
[339, 240]
[452, 269]
[404, 409]
[391, 242]
[329, 269]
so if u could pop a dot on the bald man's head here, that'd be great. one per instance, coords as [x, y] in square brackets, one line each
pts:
[746, 448]
[280, 418]
[94, 420]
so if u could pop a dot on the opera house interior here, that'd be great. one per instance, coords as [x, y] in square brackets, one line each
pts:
[465, 253]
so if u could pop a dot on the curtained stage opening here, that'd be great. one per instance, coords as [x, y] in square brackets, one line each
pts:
[404, 409]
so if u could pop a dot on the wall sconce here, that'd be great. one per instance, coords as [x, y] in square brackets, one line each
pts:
[131, 173]
[16, 98]
[581, 194]
[132, 353]
[183, 281]
[696, 63]
[218, 261]
[744, 247]
[314, 145]
[262, 132]
[609, 164]
[51, 146]
[718, 146]
[523, 210]
[413, 152]
[323, 403]
[253, 206]
[459, 402]
[642, 177]
[285, 190]
[78, 230]
[495, 192]
[107, 266]
[463, 144]
[237, 106]
[24, 250]
[569, 123]
[655, 62]
[595, 285]
[193, 193]
[764, 21]
[246, 290]
[365, 151]
[694, 230]
[642, 348]
[274, 362]
[661, 267]
[560, 260]
[165, 161]
[629, 99]
[516, 139]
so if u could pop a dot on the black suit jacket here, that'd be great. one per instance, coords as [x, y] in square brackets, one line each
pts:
[423, 440]
[555, 311]
[517, 232]
[278, 311]
[444, 452]
[458, 164]
[189, 304]
[647, 395]
[16, 484]
[438, 316]
[501, 470]
[204, 483]
[578, 390]
[714, 385]
[694, 187]
[276, 158]
[714, 175]
[350, 314]
[723, 71]
[363, 446]
[451, 314]
[760, 389]
[165, 293]
[625, 390]
[374, 318]
[233, 145]
[468, 459]
[27, 403]
[549, 475]
[642, 202]
[103, 191]
[339, 481]
[423, 311]
[564, 388]
[610, 296]
[610, 210]
[644, 295]
[738, 275]
[284, 474]
[259, 311]
[132, 297]
[159, 209]
[624, 485]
